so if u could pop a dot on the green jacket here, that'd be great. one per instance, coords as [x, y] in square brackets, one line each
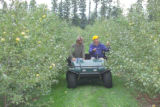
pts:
[77, 51]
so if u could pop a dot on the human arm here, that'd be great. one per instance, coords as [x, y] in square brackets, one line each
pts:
[71, 53]
[83, 52]
[105, 49]
[91, 49]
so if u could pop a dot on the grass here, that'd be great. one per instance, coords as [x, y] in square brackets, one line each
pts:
[90, 93]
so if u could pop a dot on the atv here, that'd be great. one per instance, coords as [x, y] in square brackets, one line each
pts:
[94, 67]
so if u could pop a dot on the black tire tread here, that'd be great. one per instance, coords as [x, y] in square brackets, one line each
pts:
[107, 79]
[71, 80]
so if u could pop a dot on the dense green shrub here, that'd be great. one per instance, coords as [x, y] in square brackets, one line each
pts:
[34, 47]
[135, 52]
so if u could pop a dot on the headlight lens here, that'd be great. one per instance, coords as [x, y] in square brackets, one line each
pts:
[84, 70]
[95, 70]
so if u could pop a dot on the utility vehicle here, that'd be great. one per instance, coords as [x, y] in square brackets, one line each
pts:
[85, 68]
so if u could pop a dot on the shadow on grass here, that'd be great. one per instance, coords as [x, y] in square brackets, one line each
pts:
[91, 81]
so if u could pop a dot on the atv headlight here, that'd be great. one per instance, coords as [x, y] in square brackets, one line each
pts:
[84, 70]
[71, 69]
[95, 70]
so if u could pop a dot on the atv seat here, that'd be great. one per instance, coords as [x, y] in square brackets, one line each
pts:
[87, 56]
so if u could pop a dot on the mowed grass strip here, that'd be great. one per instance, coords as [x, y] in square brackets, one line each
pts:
[90, 93]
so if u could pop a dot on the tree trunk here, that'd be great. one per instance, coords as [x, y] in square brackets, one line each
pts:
[96, 9]
[5, 100]
[89, 10]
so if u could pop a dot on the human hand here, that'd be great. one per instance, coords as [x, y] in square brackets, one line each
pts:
[73, 59]
[94, 49]
[107, 43]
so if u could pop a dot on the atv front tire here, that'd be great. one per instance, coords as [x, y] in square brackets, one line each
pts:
[71, 80]
[107, 79]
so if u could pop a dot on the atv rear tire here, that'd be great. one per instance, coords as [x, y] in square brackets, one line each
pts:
[71, 80]
[107, 79]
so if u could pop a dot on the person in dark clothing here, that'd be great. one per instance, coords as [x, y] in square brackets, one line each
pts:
[77, 49]
[97, 49]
